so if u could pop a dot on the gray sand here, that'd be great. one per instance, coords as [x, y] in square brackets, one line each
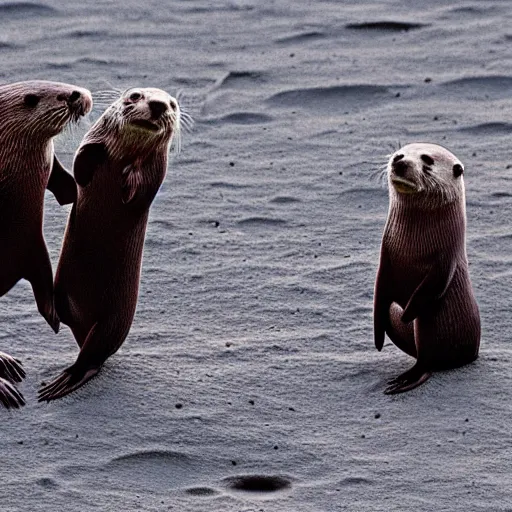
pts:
[252, 349]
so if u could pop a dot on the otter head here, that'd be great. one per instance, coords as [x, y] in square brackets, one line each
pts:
[423, 170]
[133, 134]
[143, 119]
[39, 110]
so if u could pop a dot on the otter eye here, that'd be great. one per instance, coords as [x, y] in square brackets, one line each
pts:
[427, 159]
[397, 158]
[31, 100]
[457, 170]
[135, 96]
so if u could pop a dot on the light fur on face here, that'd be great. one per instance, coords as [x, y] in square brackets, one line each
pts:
[128, 125]
[35, 111]
[431, 175]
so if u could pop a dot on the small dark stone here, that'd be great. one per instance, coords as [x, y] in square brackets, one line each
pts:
[276, 447]
[251, 402]
[397, 95]
[377, 415]
[291, 409]
[232, 164]
[233, 462]
[428, 80]
[178, 406]
[20, 442]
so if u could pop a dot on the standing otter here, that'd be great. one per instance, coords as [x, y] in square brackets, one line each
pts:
[31, 114]
[119, 168]
[423, 298]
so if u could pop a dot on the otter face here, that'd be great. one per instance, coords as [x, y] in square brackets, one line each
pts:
[150, 110]
[42, 109]
[422, 168]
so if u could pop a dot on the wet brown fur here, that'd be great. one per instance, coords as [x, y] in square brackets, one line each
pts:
[31, 114]
[424, 300]
[119, 168]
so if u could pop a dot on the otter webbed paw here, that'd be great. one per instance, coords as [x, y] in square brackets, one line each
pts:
[61, 184]
[10, 396]
[11, 368]
[68, 381]
[408, 380]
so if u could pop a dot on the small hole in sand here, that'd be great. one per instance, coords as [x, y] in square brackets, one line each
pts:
[258, 483]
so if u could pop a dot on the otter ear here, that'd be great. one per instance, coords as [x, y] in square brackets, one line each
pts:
[88, 158]
[131, 182]
[61, 184]
[457, 170]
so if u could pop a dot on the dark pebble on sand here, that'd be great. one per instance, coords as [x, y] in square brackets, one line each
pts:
[291, 409]
[233, 462]
[178, 406]
[20, 442]
[276, 447]
[377, 416]
[428, 80]
[232, 164]
[397, 95]
[251, 402]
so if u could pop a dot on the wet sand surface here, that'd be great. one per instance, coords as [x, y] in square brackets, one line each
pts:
[249, 380]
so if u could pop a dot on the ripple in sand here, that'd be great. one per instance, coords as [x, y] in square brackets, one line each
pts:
[8, 46]
[201, 491]
[241, 79]
[328, 100]
[285, 200]
[245, 118]
[301, 38]
[355, 480]
[25, 10]
[47, 483]
[487, 129]
[257, 483]
[261, 222]
[82, 34]
[386, 26]
[496, 86]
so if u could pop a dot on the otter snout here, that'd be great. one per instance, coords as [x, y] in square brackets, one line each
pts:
[157, 108]
[79, 101]
[400, 168]
[402, 175]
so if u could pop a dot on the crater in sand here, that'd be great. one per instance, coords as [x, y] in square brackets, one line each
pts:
[257, 483]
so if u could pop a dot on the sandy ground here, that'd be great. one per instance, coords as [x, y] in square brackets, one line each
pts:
[252, 352]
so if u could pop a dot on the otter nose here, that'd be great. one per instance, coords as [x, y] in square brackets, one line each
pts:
[74, 96]
[400, 168]
[157, 108]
